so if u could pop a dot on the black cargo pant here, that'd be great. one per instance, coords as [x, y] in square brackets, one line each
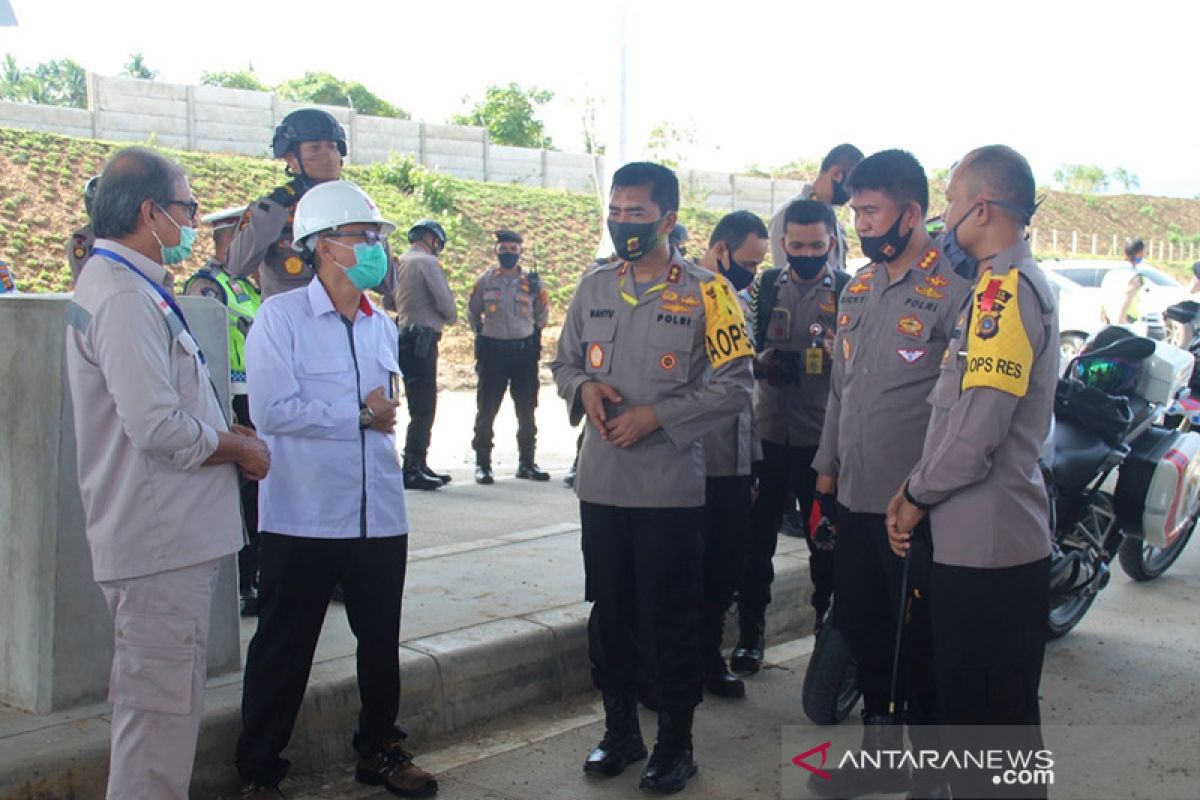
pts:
[867, 589]
[248, 555]
[989, 640]
[420, 387]
[506, 365]
[644, 573]
[782, 467]
[727, 506]
[298, 576]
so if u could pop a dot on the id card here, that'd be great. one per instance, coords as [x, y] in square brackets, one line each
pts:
[814, 360]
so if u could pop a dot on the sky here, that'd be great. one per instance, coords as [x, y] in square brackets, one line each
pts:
[1062, 81]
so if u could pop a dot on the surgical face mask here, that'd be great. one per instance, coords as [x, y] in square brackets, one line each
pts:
[176, 254]
[841, 195]
[738, 275]
[370, 264]
[807, 267]
[889, 246]
[633, 240]
[508, 260]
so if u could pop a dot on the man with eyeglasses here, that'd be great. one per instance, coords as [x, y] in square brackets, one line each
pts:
[322, 392]
[158, 469]
[312, 144]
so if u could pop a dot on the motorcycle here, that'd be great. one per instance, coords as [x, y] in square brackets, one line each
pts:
[1123, 482]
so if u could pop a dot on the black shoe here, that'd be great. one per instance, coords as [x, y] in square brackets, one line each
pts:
[622, 743]
[483, 474]
[671, 764]
[532, 472]
[720, 682]
[793, 525]
[415, 479]
[569, 478]
[747, 657]
[249, 597]
[437, 476]
[880, 732]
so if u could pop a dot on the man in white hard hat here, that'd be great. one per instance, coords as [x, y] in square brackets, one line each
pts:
[324, 368]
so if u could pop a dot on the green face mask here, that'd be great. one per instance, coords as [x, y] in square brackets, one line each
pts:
[177, 254]
[370, 264]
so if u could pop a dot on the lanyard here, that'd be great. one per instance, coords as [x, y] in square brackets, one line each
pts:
[163, 293]
[632, 299]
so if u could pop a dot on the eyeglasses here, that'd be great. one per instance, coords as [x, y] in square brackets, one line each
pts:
[191, 206]
[368, 236]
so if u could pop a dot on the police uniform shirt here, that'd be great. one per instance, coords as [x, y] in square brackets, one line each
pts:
[886, 358]
[507, 306]
[775, 231]
[730, 449]
[992, 406]
[802, 318]
[423, 295]
[79, 249]
[654, 349]
[263, 243]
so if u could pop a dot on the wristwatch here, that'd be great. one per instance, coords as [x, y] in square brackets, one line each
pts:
[365, 417]
[913, 501]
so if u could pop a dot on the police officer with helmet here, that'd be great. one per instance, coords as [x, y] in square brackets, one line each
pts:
[312, 143]
[241, 300]
[79, 244]
[508, 309]
[424, 305]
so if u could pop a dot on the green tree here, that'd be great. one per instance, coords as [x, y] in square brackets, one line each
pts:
[800, 169]
[670, 144]
[1081, 178]
[60, 82]
[241, 79]
[136, 68]
[326, 89]
[508, 114]
[1127, 179]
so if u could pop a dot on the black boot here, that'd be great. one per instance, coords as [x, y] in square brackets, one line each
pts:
[747, 657]
[437, 476]
[569, 478]
[483, 470]
[671, 764]
[249, 597]
[414, 478]
[622, 743]
[527, 470]
[880, 732]
[719, 681]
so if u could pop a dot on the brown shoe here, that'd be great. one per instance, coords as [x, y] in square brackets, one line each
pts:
[394, 770]
[257, 791]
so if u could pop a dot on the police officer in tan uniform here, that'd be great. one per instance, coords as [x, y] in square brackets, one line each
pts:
[312, 143]
[424, 305]
[978, 477]
[795, 316]
[895, 319]
[655, 353]
[736, 248]
[508, 309]
[831, 188]
[79, 243]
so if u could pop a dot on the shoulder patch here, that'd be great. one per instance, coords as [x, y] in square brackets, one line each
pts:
[725, 335]
[999, 355]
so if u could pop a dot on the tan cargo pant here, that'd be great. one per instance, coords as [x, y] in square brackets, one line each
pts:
[157, 683]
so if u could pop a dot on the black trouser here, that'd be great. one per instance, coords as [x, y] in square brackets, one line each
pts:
[420, 387]
[782, 467]
[248, 555]
[298, 576]
[643, 570]
[989, 639]
[506, 365]
[867, 589]
[727, 506]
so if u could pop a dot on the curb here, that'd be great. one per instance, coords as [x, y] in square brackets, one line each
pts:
[451, 681]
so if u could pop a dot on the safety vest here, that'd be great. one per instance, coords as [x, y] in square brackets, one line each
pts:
[242, 302]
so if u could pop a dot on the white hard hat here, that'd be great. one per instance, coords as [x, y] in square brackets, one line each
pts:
[330, 205]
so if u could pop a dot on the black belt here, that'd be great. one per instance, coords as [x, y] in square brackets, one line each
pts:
[506, 344]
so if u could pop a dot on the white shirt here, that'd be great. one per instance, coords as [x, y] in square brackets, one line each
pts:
[329, 479]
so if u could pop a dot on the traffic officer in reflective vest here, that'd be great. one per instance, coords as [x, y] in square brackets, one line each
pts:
[241, 300]
[978, 477]
[508, 309]
[795, 312]
[655, 352]
[79, 243]
[895, 319]
[312, 144]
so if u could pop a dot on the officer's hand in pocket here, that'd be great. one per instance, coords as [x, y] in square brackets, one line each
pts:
[384, 410]
[592, 396]
[254, 460]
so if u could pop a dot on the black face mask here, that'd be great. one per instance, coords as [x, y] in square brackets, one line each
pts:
[807, 267]
[841, 195]
[962, 262]
[632, 240]
[882, 249]
[738, 275]
[508, 260]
